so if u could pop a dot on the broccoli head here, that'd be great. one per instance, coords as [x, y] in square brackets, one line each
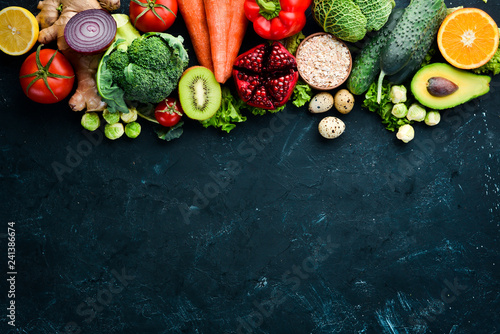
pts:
[148, 86]
[151, 53]
[117, 62]
[157, 62]
[143, 68]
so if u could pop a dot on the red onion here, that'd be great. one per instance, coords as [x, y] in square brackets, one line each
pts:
[90, 31]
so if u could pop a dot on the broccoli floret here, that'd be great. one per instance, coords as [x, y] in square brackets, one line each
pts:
[144, 85]
[117, 63]
[158, 53]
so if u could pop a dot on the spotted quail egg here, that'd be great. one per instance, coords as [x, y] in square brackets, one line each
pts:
[321, 102]
[331, 127]
[344, 101]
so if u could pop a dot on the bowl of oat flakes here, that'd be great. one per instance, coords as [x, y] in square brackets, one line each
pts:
[324, 62]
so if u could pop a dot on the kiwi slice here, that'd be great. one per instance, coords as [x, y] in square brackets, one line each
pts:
[199, 93]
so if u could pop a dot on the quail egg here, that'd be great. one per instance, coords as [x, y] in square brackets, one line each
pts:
[331, 127]
[321, 103]
[344, 101]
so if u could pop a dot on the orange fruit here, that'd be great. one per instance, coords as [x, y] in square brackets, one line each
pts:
[468, 38]
[18, 30]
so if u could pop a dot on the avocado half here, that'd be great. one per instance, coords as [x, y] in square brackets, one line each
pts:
[470, 86]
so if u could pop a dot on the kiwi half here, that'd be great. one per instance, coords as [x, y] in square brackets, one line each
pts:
[199, 93]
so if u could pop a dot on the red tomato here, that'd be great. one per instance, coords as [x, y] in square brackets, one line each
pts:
[60, 76]
[168, 112]
[153, 15]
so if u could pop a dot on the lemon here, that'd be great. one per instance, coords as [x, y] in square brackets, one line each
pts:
[18, 30]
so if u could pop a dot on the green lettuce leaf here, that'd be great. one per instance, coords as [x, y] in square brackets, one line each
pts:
[228, 113]
[302, 93]
[260, 112]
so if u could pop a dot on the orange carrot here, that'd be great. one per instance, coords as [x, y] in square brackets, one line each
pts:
[217, 12]
[235, 35]
[193, 13]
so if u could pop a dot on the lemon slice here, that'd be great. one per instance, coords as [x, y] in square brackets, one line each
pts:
[18, 30]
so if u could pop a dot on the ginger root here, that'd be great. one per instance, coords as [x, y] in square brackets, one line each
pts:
[53, 21]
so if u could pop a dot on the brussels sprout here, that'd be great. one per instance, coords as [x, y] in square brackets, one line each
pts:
[416, 113]
[91, 121]
[432, 118]
[113, 131]
[129, 117]
[132, 130]
[406, 133]
[111, 117]
[399, 110]
[398, 94]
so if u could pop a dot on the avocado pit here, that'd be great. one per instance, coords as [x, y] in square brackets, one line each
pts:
[441, 87]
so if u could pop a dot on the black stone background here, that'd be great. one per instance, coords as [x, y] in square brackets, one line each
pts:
[363, 234]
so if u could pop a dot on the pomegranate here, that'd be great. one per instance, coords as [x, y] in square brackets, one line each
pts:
[266, 75]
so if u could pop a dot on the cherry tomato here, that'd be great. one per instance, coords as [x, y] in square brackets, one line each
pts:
[153, 15]
[168, 112]
[58, 73]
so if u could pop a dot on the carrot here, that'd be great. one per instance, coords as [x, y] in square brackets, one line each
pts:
[193, 13]
[217, 12]
[235, 35]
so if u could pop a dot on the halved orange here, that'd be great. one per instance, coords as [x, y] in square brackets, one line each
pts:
[18, 30]
[468, 38]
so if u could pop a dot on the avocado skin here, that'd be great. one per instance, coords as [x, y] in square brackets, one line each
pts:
[470, 86]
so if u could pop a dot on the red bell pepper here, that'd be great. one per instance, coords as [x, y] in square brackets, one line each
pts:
[277, 19]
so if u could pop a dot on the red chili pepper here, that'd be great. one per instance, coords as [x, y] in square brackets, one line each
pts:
[277, 19]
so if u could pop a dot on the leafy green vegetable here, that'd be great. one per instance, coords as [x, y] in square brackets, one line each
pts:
[109, 90]
[383, 109]
[168, 134]
[342, 18]
[292, 43]
[350, 20]
[260, 112]
[376, 11]
[228, 113]
[302, 93]
[491, 67]
[147, 111]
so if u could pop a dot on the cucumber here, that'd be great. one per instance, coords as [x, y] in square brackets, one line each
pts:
[411, 39]
[408, 71]
[366, 65]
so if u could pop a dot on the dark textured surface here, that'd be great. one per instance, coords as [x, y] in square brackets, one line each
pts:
[291, 233]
